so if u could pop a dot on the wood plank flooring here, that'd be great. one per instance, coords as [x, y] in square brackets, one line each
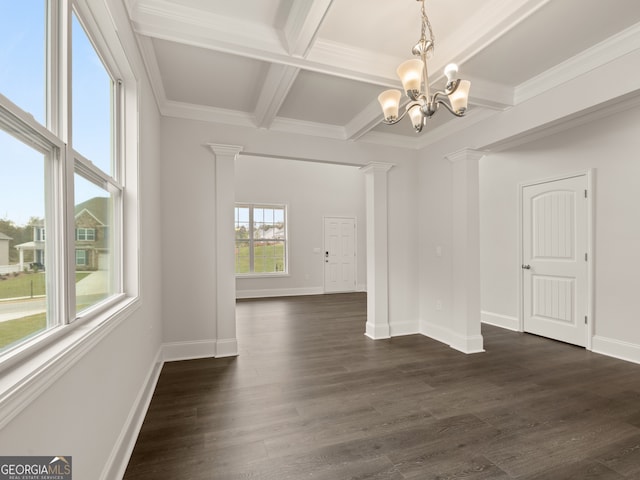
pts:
[310, 397]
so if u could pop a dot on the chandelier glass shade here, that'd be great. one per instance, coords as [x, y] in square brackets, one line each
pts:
[415, 82]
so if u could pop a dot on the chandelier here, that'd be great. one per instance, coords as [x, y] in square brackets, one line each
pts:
[415, 81]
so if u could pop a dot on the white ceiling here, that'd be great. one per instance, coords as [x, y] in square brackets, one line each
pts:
[317, 66]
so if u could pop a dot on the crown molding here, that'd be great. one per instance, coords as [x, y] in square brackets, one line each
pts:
[301, 127]
[476, 33]
[147, 51]
[598, 112]
[365, 65]
[190, 111]
[610, 49]
[174, 22]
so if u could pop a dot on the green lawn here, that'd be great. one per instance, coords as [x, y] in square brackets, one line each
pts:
[27, 284]
[267, 259]
[13, 330]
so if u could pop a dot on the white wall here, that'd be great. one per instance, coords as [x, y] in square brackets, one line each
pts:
[85, 412]
[311, 191]
[573, 102]
[610, 145]
[188, 205]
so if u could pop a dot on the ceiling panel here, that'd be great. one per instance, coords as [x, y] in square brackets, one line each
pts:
[204, 77]
[391, 26]
[321, 98]
[243, 62]
[256, 11]
[556, 32]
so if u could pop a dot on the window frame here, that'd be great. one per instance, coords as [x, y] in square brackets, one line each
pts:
[84, 257]
[43, 350]
[251, 240]
[82, 234]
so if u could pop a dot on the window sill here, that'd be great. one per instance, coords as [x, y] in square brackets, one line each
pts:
[31, 369]
[262, 275]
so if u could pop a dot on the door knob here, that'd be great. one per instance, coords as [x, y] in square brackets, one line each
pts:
[526, 267]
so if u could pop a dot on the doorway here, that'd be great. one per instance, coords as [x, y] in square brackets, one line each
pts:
[339, 254]
[556, 232]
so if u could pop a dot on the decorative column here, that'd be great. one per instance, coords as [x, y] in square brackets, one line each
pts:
[465, 328]
[377, 250]
[226, 341]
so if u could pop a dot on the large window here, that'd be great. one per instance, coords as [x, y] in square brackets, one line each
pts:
[261, 239]
[61, 163]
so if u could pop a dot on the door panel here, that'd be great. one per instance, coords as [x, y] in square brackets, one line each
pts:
[339, 266]
[554, 234]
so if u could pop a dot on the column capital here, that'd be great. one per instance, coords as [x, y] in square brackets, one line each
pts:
[377, 167]
[225, 150]
[465, 154]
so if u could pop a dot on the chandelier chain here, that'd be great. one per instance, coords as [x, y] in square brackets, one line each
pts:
[427, 24]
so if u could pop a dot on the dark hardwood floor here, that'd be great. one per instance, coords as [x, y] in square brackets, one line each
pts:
[310, 397]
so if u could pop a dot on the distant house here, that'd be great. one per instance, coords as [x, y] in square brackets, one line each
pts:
[91, 232]
[4, 249]
[36, 246]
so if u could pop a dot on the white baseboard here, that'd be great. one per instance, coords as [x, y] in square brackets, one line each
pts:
[398, 329]
[279, 292]
[175, 351]
[377, 332]
[468, 345]
[502, 321]
[121, 452]
[616, 348]
[436, 332]
[227, 348]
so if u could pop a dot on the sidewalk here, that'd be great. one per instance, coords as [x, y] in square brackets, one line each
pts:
[14, 308]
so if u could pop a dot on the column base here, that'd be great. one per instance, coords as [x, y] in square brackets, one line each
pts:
[377, 332]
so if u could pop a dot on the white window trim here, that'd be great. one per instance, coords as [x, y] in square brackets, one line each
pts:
[252, 206]
[33, 366]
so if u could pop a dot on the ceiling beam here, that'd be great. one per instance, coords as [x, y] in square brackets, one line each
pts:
[302, 25]
[296, 47]
[275, 88]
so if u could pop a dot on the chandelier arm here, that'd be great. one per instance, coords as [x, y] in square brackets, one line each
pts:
[448, 107]
[451, 88]
[393, 122]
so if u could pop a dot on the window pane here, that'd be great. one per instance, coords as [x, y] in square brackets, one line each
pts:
[22, 55]
[93, 213]
[23, 293]
[269, 257]
[92, 92]
[242, 257]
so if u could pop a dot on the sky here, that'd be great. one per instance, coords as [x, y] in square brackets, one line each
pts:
[22, 81]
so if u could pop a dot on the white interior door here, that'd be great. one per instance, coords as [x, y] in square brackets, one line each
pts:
[339, 254]
[554, 263]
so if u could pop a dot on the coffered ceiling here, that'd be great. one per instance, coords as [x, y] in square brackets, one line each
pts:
[316, 66]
